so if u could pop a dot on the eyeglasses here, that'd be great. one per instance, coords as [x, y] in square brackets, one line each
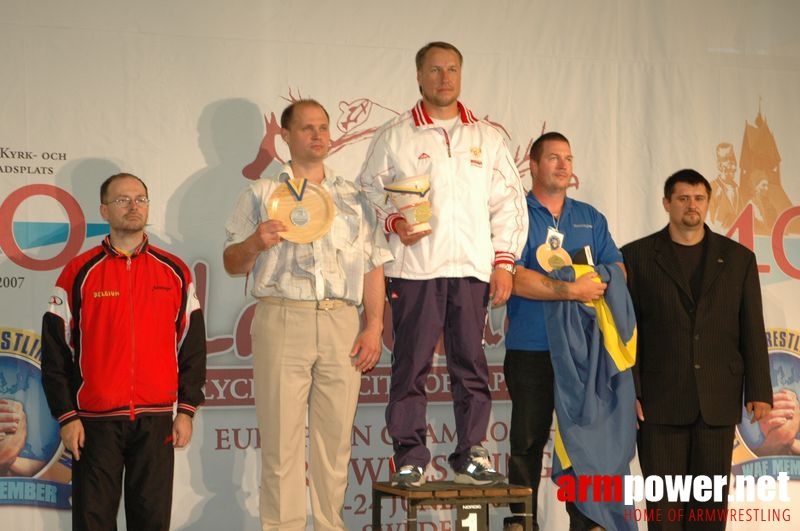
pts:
[125, 202]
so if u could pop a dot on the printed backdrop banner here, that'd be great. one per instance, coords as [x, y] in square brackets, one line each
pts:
[185, 94]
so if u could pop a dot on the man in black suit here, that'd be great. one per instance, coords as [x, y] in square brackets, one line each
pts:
[701, 345]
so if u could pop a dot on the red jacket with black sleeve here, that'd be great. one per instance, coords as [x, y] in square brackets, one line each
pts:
[124, 336]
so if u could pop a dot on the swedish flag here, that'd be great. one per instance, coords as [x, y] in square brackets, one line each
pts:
[593, 346]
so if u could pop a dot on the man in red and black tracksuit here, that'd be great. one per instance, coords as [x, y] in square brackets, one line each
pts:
[122, 342]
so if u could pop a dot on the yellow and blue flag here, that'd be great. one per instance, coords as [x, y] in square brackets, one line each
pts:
[593, 347]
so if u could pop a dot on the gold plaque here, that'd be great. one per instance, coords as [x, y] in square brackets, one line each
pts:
[305, 208]
[552, 258]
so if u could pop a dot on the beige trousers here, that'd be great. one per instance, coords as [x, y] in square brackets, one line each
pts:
[301, 364]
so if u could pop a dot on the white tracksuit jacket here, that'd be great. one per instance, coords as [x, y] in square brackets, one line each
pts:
[477, 200]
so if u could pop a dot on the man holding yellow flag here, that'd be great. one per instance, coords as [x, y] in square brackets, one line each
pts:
[559, 228]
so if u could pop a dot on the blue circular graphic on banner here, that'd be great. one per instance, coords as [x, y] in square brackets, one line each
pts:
[22, 395]
[785, 375]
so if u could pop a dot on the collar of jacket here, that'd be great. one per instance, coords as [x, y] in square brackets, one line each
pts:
[112, 251]
[422, 119]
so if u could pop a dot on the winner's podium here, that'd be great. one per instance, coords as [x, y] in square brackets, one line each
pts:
[471, 502]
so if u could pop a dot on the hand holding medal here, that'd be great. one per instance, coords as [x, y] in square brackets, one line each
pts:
[305, 208]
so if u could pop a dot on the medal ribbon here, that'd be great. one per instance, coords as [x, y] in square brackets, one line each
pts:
[297, 187]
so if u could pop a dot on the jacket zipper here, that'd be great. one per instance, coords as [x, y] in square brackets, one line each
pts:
[133, 339]
[447, 143]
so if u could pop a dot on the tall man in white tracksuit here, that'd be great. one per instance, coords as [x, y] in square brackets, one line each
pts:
[443, 279]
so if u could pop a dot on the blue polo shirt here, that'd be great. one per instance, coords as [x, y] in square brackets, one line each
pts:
[582, 225]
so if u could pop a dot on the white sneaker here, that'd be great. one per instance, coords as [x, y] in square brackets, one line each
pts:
[408, 476]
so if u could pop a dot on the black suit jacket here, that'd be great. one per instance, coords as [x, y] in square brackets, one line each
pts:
[697, 356]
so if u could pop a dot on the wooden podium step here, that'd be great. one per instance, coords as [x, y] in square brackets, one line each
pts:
[470, 501]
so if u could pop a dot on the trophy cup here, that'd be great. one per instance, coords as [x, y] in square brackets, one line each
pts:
[410, 196]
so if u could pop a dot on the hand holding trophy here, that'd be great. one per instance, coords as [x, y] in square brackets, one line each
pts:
[410, 196]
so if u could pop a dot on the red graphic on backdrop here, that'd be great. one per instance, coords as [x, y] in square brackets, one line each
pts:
[357, 121]
[351, 120]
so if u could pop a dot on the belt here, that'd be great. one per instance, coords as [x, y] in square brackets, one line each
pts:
[324, 304]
